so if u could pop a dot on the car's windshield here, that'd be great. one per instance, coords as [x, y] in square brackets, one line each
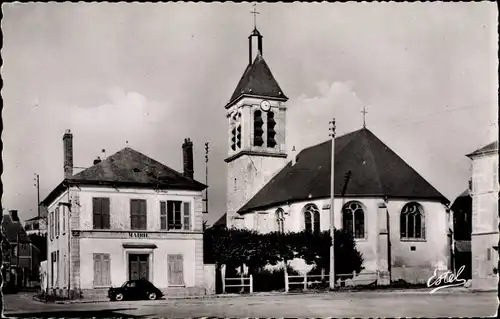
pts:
[126, 282]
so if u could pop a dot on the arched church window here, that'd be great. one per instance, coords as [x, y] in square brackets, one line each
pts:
[353, 219]
[312, 218]
[258, 131]
[412, 224]
[280, 220]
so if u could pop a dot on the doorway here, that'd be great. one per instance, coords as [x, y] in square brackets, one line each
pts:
[138, 266]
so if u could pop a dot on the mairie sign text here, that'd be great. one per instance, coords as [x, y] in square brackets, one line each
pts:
[138, 235]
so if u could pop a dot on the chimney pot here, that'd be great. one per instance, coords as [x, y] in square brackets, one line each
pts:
[14, 216]
[68, 153]
[187, 151]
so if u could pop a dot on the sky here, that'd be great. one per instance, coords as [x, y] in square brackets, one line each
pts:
[154, 74]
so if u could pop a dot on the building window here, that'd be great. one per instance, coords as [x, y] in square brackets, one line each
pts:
[353, 219]
[64, 220]
[175, 270]
[412, 222]
[102, 270]
[52, 268]
[100, 213]
[57, 268]
[51, 225]
[258, 132]
[280, 220]
[177, 215]
[64, 271]
[138, 214]
[311, 218]
[58, 218]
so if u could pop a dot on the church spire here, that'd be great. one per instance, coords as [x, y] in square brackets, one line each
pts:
[255, 33]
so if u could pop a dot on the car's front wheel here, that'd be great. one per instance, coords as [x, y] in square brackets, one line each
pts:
[152, 296]
[119, 297]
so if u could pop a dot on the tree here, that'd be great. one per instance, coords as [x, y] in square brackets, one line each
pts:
[234, 247]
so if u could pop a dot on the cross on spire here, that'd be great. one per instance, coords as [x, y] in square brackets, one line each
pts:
[364, 116]
[255, 13]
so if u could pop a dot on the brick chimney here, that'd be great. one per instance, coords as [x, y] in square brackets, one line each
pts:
[14, 216]
[68, 154]
[187, 151]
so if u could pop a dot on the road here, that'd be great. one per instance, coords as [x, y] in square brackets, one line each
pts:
[358, 304]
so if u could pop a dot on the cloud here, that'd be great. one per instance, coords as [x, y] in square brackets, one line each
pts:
[308, 117]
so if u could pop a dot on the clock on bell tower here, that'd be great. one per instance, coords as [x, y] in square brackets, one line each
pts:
[256, 116]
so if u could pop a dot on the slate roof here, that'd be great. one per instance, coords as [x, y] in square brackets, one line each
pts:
[492, 147]
[11, 229]
[129, 168]
[222, 221]
[376, 171]
[257, 80]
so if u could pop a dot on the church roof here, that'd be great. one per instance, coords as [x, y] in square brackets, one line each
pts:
[375, 171]
[129, 168]
[490, 148]
[257, 80]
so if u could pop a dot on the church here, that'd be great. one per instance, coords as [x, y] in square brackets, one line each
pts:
[400, 222]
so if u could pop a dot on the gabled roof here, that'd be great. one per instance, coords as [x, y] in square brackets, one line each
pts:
[257, 80]
[11, 229]
[33, 218]
[490, 148]
[129, 168]
[376, 171]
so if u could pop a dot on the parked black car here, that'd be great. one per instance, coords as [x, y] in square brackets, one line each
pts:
[135, 289]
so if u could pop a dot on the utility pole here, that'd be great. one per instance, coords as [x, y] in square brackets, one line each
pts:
[206, 178]
[332, 207]
[37, 185]
[18, 269]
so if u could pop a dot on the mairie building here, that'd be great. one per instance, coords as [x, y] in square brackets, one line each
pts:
[125, 217]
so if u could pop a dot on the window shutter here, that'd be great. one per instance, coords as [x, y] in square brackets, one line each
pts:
[96, 212]
[170, 214]
[171, 263]
[57, 268]
[97, 270]
[163, 215]
[133, 214]
[57, 222]
[106, 269]
[64, 220]
[51, 223]
[105, 217]
[144, 215]
[175, 270]
[187, 216]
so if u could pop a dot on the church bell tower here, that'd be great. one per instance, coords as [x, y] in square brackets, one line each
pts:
[256, 116]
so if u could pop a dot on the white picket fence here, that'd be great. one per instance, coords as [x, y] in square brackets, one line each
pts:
[243, 282]
[308, 280]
